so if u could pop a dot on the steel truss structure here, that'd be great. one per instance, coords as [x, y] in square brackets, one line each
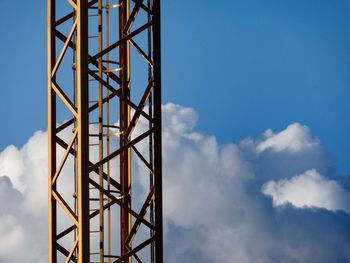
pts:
[104, 129]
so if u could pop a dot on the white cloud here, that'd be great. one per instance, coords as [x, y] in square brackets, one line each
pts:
[12, 163]
[214, 210]
[309, 189]
[294, 138]
[11, 235]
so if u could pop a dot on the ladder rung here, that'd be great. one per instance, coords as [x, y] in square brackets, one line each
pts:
[93, 144]
[111, 256]
[111, 126]
[107, 135]
[106, 6]
[93, 15]
[92, 36]
[113, 70]
[97, 199]
[110, 61]
[111, 6]
[105, 125]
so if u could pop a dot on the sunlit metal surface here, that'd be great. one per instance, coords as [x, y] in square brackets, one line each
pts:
[104, 128]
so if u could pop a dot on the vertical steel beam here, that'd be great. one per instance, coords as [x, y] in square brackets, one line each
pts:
[83, 131]
[124, 113]
[100, 130]
[150, 126]
[108, 146]
[157, 133]
[51, 57]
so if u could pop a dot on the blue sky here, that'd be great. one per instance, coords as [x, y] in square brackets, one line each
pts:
[242, 67]
[245, 66]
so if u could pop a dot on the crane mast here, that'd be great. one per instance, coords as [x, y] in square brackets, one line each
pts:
[104, 131]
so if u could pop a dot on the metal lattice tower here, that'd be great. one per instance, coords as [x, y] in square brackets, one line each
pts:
[104, 128]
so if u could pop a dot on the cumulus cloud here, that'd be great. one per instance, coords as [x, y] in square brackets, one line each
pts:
[11, 235]
[12, 163]
[309, 189]
[295, 138]
[215, 203]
